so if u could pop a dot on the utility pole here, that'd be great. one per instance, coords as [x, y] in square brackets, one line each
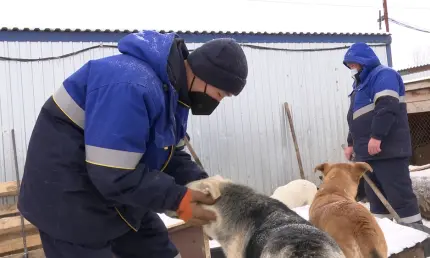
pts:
[384, 4]
[380, 20]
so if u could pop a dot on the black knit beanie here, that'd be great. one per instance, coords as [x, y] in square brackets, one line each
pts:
[221, 63]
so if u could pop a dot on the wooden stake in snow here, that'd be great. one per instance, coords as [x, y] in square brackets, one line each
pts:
[293, 134]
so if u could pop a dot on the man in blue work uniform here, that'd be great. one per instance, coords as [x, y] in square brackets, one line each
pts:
[106, 153]
[379, 132]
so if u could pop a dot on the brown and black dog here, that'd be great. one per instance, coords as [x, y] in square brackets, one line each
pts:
[335, 211]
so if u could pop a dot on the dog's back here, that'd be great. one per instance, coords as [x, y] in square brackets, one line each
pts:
[296, 193]
[252, 225]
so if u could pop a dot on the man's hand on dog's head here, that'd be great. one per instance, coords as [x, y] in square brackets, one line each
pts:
[201, 197]
[192, 212]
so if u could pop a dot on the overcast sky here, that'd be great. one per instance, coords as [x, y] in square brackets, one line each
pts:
[248, 15]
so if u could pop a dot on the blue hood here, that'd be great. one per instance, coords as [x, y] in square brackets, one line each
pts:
[151, 47]
[362, 54]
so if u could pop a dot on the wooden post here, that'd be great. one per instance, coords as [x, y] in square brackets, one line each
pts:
[293, 134]
[381, 197]
[378, 192]
[193, 153]
[190, 240]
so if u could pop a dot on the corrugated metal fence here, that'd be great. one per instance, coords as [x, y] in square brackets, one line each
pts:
[247, 138]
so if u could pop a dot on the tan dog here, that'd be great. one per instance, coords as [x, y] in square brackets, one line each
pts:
[335, 211]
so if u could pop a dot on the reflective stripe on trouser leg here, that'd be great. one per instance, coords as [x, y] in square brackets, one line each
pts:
[383, 216]
[411, 219]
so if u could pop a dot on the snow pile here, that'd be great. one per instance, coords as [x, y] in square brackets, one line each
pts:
[421, 188]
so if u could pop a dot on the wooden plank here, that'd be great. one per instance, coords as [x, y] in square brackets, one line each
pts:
[190, 241]
[13, 246]
[8, 189]
[38, 253]
[206, 247]
[417, 84]
[417, 107]
[178, 226]
[13, 224]
[417, 95]
[8, 210]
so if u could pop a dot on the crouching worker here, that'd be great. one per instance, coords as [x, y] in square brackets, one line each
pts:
[379, 132]
[106, 153]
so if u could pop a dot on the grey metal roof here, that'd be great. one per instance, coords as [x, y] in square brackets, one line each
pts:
[196, 32]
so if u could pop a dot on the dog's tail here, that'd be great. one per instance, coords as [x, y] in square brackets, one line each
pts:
[375, 254]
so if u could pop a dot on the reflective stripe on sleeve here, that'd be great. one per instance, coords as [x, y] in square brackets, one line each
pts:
[112, 158]
[384, 93]
[69, 107]
[362, 111]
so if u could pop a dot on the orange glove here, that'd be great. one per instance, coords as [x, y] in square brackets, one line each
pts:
[190, 211]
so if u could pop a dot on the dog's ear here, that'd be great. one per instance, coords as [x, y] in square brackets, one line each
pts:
[211, 187]
[324, 168]
[363, 166]
[359, 168]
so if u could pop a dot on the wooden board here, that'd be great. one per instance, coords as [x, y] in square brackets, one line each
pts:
[38, 253]
[13, 224]
[190, 241]
[417, 84]
[418, 106]
[417, 95]
[13, 246]
[8, 189]
[8, 210]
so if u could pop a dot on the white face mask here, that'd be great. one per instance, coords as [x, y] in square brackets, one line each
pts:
[354, 71]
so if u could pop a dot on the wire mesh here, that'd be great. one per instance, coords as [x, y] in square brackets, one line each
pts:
[419, 124]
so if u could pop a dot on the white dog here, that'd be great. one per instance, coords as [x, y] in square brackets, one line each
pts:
[296, 193]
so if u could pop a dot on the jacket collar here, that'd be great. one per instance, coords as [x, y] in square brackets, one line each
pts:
[176, 70]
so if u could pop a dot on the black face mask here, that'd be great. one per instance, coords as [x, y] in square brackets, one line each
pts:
[201, 103]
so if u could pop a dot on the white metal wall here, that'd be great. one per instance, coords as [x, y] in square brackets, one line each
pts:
[247, 138]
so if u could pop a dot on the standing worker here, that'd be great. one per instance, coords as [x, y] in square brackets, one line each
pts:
[106, 153]
[379, 132]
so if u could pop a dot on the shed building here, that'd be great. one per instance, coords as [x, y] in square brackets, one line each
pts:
[417, 84]
[247, 138]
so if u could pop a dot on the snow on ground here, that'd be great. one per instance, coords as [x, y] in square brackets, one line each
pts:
[421, 173]
[398, 237]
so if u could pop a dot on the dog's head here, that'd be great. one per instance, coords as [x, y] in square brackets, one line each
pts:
[214, 186]
[211, 185]
[346, 175]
